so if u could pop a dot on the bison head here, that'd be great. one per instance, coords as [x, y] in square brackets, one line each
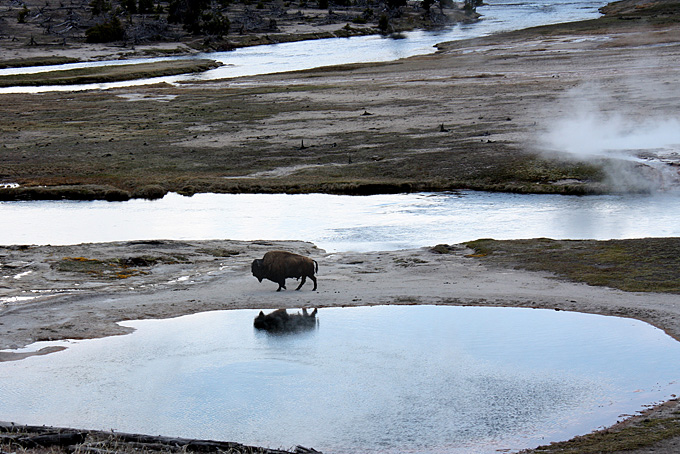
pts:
[258, 269]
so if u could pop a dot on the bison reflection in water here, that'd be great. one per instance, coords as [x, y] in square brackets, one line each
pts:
[281, 321]
[279, 265]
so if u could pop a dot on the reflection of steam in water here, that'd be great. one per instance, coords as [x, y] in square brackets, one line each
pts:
[636, 154]
[658, 170]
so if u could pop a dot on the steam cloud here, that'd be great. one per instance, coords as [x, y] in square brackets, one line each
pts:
[638, 152]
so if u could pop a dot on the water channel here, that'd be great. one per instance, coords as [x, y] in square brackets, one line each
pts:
[389, 379]
[498, 16]
[344, 223]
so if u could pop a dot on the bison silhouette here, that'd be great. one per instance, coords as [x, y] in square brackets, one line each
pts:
[281, 321]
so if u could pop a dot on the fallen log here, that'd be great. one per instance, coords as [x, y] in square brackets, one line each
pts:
[53, 439]
[96, 442]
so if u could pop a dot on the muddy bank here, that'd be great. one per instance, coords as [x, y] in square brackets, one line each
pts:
[56, 440]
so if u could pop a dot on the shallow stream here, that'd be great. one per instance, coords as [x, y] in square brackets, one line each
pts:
[497, 16]
[388, 379]
[345, 223]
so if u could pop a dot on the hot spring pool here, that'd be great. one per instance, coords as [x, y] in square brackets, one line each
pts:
[384, 379]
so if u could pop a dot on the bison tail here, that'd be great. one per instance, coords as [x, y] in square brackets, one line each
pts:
[316, 266]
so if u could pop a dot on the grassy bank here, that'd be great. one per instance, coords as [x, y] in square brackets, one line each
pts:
[313, 136]
[105, 74]
[636, 265]
[456, 120]
[36, 61]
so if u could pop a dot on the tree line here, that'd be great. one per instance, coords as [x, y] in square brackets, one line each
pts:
[210, 17]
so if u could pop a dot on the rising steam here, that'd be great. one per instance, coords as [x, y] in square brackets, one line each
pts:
[638, 152]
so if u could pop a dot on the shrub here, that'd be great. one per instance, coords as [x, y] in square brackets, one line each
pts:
[150, 192]
[22, 15]
[145, 6]
[384, 23]
[197, 17]
[215, 24]
[107, 32]
[130, 6]
[100, 6]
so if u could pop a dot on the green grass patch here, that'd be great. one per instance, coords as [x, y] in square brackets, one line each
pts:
[112, 268]
[645, 434]
[636, 265]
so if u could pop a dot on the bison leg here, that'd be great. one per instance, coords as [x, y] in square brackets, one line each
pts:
[313, 280]
[304, 278]
[282, 285]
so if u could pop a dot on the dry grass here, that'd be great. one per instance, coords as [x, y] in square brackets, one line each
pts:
[105, 74]
[636, 265]
[51, 440]
[101, 145]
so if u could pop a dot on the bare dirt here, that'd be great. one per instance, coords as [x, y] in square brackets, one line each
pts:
[81, 291]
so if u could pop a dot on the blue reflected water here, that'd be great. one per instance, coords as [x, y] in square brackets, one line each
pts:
[389, 379]
[345, 223]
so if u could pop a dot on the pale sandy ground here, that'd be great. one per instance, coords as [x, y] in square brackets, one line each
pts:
[41, 303]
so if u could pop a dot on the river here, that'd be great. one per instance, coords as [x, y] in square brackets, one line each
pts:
[344, 223]
[497, 16]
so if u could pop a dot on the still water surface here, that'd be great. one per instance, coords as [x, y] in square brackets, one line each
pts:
[390, 379]
[344, 223]
[498, 16]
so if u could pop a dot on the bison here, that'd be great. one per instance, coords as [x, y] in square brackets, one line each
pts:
[279, 265]
[282, 321]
